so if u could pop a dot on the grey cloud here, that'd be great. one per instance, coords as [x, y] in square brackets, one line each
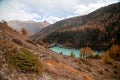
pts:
[50, 10]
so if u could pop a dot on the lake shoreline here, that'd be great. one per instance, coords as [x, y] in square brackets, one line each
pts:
[68, 47]
[66, 50]
[60, 45]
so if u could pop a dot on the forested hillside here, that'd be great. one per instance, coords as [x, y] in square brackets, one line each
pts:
[99, 29]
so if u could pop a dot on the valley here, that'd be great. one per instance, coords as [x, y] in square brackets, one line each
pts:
[79, 48]
[99, 30]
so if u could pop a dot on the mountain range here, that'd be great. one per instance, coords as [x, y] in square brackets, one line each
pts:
[32, 27]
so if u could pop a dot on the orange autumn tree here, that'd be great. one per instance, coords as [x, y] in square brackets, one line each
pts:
[24, 31]
[89, 52]
[106, 57]
[115, 51]
[86, 52]
[82, 52]
[72, 54]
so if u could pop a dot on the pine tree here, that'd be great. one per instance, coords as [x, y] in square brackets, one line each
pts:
[61, 52]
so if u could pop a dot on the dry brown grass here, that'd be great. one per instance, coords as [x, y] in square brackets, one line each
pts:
[17, 41]
[29, 41]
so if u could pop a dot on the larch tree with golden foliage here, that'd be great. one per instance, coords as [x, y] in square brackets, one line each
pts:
[86, 52]
[72, 54]
[90, 52]
[82, 52]
[106, 57]
[115, 51]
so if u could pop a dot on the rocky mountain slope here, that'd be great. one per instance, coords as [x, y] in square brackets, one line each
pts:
[13, 45]
[97, 29]
[31, 26]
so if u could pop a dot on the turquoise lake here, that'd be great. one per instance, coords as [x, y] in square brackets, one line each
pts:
[67, 51]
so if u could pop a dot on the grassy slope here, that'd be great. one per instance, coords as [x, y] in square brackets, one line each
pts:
[55, 66]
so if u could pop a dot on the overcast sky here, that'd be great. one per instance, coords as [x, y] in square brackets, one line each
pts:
[49, 10]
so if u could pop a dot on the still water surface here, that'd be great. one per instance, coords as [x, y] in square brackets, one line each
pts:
[67, 51]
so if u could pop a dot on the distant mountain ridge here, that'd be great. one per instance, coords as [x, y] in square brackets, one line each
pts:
[31, 26]
[100, 18]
